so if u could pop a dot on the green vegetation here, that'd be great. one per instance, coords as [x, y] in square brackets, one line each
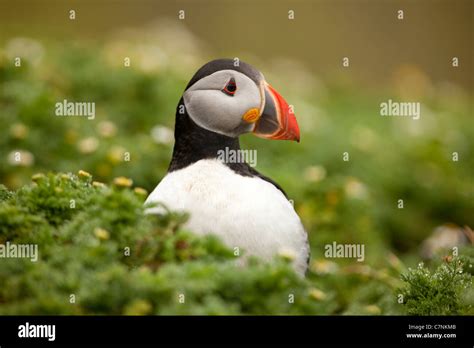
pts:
[448, 290]
[83, 228]
[100, 254]
[115, 259]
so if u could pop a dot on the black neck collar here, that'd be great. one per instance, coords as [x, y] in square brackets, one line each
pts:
[193, 143]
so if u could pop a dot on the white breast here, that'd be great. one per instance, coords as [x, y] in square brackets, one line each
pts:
[245, 212]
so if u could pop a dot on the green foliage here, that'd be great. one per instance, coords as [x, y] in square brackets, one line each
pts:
[447, 290]
[96, 243]
[83, 250]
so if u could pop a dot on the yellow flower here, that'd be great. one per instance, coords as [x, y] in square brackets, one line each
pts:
[138, 307]
[19, 130]
[102, 233]
[317, 294]
[140, 191]
[116, 154]
[65, 176]
[122, 181]
[373, 309]
[83, 174]
[322, 266]
[37, 177]
[287, 254]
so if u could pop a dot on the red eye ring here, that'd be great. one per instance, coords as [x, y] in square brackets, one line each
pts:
[230, 88]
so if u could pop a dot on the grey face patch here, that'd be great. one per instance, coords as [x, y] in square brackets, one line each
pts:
[219, 112]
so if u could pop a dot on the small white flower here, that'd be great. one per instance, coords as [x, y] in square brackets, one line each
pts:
[88, 145]
[355, 189]
[21, 158]
[162, 135]
[107, 129]
[25, 48]
[314, 173]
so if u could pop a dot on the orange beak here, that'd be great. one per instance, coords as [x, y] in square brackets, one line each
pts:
[277, 120]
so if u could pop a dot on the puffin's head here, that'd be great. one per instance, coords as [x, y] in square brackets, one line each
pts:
[233, 100]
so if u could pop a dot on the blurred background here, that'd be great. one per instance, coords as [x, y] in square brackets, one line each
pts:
[337, 107]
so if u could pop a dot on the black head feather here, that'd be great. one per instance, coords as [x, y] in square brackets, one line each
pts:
[226, 64]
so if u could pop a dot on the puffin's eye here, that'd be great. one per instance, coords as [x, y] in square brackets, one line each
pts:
[230, 87]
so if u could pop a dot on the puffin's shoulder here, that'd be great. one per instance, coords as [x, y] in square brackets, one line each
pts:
[245, 169]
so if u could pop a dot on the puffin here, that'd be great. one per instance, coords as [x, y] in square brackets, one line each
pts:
[248, 211]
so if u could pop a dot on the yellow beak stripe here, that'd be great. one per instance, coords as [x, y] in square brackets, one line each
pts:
[252, 115]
